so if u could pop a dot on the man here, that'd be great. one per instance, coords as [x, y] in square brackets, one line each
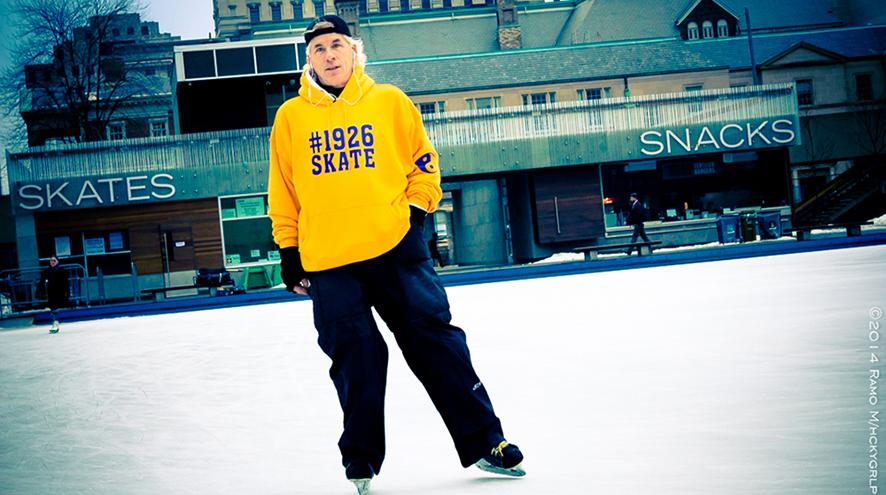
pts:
[352, 176]
[54, 281]
[636, 217]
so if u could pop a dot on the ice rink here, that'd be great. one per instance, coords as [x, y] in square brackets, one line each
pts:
[743, 377]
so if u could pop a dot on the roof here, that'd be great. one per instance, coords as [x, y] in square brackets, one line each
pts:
[606, 20]
[694, 3]
[612, 60]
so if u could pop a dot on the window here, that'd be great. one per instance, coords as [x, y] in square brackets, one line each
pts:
[594, 93]
[253, 12]
[159, 128]
[430, 108]
[246, 230]
[540, 121]
[804, 92]
[722, 29]
[483, 103]
[695, 103]
[276, 12]
[297, 13]
[707, 29]
[595, 115]
[145, 31]
[116, 130]
[864, 87]
[130, 30]
[692, 31]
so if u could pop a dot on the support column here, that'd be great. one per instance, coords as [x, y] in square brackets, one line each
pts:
[26, 240]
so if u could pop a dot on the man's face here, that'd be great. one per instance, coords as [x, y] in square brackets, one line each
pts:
[53, 261]
[332, 59]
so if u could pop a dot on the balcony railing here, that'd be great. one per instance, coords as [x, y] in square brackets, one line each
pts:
[469, 142]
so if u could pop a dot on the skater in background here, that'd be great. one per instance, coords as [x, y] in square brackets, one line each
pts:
[352, 177]
[436, 258]
[636, 217]
[54, 282]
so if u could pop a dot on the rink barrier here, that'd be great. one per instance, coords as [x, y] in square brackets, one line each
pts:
[487, 275]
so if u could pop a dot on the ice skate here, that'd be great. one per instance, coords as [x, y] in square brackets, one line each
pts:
[54, 328]
[360, 476]
[504, 459]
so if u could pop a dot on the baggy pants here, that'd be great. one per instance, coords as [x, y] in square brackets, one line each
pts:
[409, 297]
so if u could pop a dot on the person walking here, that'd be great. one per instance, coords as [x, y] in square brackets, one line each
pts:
[54, 282]
[352, 176]
[636, 217]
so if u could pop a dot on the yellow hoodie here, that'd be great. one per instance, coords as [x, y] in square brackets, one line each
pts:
[345, 170]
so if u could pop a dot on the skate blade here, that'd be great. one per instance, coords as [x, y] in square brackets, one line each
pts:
[489, 468]
[362, 485]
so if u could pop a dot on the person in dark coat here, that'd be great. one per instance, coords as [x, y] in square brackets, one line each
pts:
[636, 217]
[436, 258]
[54, 280]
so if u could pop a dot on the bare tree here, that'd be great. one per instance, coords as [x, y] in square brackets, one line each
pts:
[871, 121]
[67, 78]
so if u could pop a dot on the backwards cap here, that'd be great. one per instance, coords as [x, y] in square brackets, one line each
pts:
[324, 25]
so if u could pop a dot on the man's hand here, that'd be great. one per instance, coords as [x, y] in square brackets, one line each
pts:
[292, 271]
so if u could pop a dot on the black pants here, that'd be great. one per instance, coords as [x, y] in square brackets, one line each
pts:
[411, 300]
[639, 231]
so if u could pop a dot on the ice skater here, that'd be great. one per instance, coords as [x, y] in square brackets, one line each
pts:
[54, 282]
[352, 177]
[636, 217]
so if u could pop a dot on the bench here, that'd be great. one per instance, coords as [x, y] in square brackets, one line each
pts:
[591, 252]
[804, 232]
[159, 293]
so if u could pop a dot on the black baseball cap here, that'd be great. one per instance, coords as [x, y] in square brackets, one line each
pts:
[324, 25]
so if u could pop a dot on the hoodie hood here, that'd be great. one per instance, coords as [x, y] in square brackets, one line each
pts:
[358, 85]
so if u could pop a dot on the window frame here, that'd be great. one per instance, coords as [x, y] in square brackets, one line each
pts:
[802, 96]
[707, 30]
[692, 32]
[869, 90]
[116, 124]
[722, 28]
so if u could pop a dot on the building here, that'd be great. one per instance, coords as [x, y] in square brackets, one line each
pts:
[118, 69]
[545, 115]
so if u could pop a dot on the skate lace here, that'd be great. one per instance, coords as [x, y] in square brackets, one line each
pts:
[497, 451]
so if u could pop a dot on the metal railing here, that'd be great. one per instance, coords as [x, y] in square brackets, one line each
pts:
[461, 137]
[21, 293]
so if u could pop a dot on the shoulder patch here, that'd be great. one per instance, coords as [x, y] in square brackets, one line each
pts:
[425, 165]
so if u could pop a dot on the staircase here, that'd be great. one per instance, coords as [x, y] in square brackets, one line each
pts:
[839, 200]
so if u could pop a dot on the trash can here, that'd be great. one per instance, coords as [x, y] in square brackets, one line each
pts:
[727, 228]
[748, 227]
[769, 224]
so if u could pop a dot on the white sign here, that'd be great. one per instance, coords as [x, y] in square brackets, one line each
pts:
[712, 138]
[94, 245]
[94, 192]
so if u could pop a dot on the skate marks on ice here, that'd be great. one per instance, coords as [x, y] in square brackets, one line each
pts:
[741, 376]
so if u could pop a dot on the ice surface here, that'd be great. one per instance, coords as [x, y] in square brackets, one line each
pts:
[735, 377]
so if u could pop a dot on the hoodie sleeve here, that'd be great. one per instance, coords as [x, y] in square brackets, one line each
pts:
[283, 205]
[423, 175]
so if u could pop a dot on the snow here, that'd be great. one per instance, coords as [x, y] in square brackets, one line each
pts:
[744, 376]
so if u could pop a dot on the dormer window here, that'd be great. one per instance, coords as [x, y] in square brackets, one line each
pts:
[700, 18]
[707, 29]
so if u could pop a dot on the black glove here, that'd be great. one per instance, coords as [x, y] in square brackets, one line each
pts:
[413, 246]
[291, 269]
[417, 218]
